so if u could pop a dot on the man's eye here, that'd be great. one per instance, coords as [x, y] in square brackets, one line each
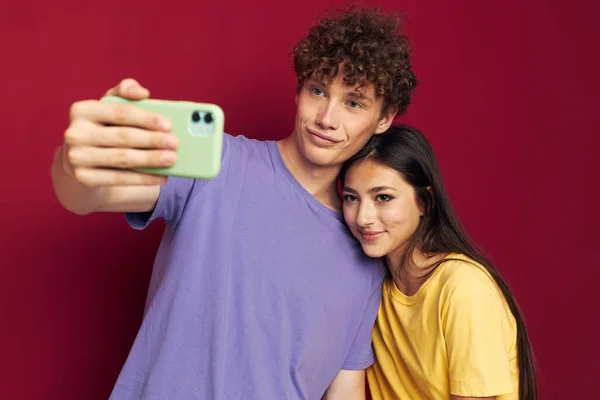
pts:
[317, 91]
[353, 104]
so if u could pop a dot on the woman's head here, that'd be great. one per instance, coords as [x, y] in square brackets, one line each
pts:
[380, 207]
[390, 190]
[415, 213]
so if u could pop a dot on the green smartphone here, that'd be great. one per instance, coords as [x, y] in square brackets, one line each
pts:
[199, 128]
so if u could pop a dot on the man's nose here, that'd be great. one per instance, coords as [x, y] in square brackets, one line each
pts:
[327, 118]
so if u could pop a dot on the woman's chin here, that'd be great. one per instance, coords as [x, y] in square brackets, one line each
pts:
[373, 251]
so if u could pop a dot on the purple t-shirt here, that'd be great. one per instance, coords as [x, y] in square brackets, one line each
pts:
[258, 291]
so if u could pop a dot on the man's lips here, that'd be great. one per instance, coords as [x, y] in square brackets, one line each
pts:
[322, 136]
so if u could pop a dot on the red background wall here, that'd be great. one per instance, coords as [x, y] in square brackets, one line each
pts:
[508, 96]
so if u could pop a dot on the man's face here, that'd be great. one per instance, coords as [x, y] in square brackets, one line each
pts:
[334, 120]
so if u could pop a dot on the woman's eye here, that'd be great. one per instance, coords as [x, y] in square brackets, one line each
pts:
[349, 198]
[384, 198]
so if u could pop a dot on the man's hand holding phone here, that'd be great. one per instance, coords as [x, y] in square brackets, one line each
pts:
[104, 141]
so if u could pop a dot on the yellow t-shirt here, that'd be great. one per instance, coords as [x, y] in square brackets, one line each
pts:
[455, 335]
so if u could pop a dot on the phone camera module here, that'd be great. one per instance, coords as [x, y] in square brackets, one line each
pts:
[196, 116]
[208, 118]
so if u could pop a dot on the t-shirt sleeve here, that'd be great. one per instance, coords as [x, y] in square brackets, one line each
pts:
[361, 353]
[171, 203]
[477, 330]
[173, 197]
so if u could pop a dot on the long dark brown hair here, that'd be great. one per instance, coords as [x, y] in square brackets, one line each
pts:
[405, 149]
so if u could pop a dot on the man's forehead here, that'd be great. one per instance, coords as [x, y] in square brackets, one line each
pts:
[361, 88]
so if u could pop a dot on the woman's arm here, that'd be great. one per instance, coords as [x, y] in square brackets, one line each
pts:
[479, 336]
[347, 385]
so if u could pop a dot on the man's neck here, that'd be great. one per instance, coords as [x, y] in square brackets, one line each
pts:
[317, 180]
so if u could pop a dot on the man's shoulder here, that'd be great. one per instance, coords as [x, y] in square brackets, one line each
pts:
[368, 270]
[239, 149]
[243, 143]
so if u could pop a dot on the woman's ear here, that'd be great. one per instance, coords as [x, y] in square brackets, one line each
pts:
[422, 207]
[432, 197]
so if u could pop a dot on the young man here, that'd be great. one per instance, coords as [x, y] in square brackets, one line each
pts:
[259, 290]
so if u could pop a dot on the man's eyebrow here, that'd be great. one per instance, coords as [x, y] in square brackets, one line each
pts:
[316, 80]
[357, 94]
[360, 96]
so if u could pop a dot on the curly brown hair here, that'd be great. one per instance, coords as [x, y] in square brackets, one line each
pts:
[368, 45]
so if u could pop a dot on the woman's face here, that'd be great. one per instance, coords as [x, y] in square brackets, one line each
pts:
[380, 208]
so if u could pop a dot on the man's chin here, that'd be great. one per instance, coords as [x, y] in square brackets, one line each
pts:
[326, 158]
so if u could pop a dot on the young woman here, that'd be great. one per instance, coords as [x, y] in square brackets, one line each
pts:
[448, 326]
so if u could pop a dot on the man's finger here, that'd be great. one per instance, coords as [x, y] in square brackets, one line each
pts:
[85, 133]
[119, 114]
[107, 177]
[129, 89]
[120, 158]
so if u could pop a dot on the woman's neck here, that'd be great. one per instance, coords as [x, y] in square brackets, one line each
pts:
[317, 180]
[414, 272]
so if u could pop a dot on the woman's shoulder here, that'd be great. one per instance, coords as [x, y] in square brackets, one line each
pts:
[471, 292]
[463, 275]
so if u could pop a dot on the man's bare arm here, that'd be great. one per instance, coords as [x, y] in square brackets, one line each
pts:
[91, 170]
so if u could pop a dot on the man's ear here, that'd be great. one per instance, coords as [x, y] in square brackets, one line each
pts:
[298, 90]
[386, 119]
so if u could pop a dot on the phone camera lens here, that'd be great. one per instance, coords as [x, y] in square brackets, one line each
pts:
[208, 118]
[195, 116]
